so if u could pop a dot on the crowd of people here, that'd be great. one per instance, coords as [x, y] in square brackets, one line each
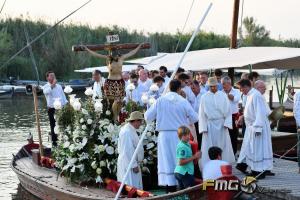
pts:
[197, 108]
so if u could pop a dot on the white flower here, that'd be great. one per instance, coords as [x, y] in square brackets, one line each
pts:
[110, 128]
[80, 145]
[73, 169]
[76, 105]
[154, 87]
[149, 134]
[99, 171]
[130, 87]
[152, 100]
[57, 104]
[89, 121]
[150, 145]
[92, 132]
[144, 98]
[107, 112]
[72, 98]
[94, 165]
[66, 144]
[99, 149]
[83, 156]
[99, 179]
[98, 106]
[84, 111]
[88, 91]
[68, 89]
[145, 161]
[110, 150]
[102, 163]
[83, 127]
[81, 120]
[72, 147]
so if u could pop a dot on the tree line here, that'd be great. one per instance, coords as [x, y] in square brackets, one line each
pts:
[53, 51]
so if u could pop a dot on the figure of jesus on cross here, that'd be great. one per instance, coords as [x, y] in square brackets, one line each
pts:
[114, 86]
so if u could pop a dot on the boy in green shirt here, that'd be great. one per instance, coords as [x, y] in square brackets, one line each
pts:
[184, 171]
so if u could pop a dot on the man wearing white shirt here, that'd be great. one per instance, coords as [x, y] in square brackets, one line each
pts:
[144, 82]
[212, 169]
[136, 94]
[203, 76]
[234, 97]
[125, 77]
[170, 112]
[163, 71]
[198, 93]
[52, 91]
[184, 79]
[297, 117]
[98, 84]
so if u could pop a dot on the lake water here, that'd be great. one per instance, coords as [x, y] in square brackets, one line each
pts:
[17, 119]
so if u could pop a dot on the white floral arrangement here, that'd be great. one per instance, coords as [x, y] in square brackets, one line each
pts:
[87, 148]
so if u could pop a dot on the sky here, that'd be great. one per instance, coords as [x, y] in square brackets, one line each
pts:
[281, 18]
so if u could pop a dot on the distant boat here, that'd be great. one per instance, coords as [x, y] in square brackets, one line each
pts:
[6, 94]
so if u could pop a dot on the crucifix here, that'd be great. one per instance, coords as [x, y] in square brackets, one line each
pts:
[114, 86]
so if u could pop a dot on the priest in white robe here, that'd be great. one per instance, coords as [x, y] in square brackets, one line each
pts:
[256, 149]
[214, 121]
[127, 143]
[170, 112]
[98, 84]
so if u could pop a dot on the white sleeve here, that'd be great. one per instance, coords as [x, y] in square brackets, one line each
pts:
[297, 108]
[47, 89]
[202, 119]
[151, 113]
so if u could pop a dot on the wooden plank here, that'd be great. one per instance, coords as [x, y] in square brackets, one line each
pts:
[286, 182]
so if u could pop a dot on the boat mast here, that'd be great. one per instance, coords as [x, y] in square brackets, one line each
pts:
[234, 30]
[34, 66]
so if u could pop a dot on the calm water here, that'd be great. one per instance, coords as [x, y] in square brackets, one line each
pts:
[17, 119]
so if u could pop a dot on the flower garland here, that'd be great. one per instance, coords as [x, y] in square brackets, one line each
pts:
[87, 148]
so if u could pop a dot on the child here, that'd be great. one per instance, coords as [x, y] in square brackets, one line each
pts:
[184, 171]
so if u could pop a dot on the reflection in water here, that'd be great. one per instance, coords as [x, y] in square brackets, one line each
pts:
[17, 119]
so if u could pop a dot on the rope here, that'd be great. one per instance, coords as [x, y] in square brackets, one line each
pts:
[187, 17]
[283, 155]
[2, 6]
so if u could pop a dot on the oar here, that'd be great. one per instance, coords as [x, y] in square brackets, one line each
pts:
[37, 118]
[147, 127]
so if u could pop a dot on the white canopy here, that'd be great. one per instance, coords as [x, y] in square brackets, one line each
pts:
[219, 58]
[126, 68]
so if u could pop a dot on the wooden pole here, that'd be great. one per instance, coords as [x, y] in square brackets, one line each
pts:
[37, 118]
[234, 30]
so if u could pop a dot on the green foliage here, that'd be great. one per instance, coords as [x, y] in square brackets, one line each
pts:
[53, 50]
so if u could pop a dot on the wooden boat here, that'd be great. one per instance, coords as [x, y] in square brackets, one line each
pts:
[45, 183]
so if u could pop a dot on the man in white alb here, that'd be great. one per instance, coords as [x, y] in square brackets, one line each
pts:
[234, 97]
[52, 91]
[170, 112]
[127, 143]
[256, 149]
[214, 121]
